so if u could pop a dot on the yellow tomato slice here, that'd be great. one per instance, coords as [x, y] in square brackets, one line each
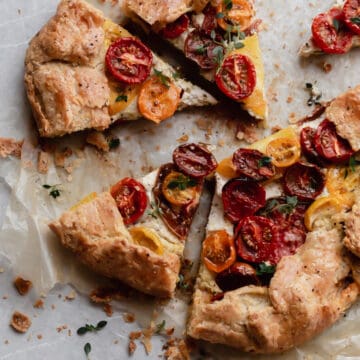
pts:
[343, 182]
[85, 200]
[240, 15]
[321, 209]
[226, 168]
[284, 151]
[218, 251]
[179, 189]
[158, 101]
[146, 237]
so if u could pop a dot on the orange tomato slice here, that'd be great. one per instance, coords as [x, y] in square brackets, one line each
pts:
[158, 101]
[283, 151]
[239, 15]
[218, 251]
[226, 168]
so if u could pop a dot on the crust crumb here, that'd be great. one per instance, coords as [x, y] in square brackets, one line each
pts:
[326, 67]
[247, 132]
[22, 286]
[289, 100]
[39, 304]
[20, 322]
[61, 156]
[71, 296]
[103, 295]
[43, 162]
[129, 317]
[39, 336]
[10, 147]
[275, 129]
[176, 349]
[61, 328]
[108, 309]
[132, 347]
[183, 138]
[135, 335]
[5, 297]
[6, 342]
[98, 139]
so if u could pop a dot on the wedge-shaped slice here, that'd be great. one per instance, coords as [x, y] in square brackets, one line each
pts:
[335, 31]
[222, 39]
[71, 87]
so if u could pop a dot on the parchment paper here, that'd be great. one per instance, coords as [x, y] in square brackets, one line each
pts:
[28, 248]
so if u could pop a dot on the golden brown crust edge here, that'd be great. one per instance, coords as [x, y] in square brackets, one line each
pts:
[96, 234]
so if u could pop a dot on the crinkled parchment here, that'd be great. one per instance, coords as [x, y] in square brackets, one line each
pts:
[29, 249]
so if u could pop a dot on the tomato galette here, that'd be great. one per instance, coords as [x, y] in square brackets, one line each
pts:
[221, 37]
[136, 231]
[275, 267]
[84, 71]
[335, 31]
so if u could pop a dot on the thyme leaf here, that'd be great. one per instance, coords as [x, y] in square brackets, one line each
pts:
[121, 97]
[265, 160]
[355, 20]
[264, 268]
[91, 328]
[182, 182]
[114, 143]
[54, 191]
[163, 78]
[160, 327]
[87, 349]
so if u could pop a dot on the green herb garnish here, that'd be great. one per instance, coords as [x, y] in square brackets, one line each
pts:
[352, 163]
[90, 328]
[155, 210]
[219, 15]
[200, 50]
[228, 4]
[163, 78]
[181, 282]
[264, 268]
[182, 182]
[87, 349]
[315, 94]
[287, 209]
[160, 327]
[175, 75]
[121, 97]
[114, 143]
[336, 24]
[355, 20]
[54, 191]
[264, 161]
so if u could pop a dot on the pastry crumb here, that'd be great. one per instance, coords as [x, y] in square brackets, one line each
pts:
[43, 162]
[71, 296]
[183, 138]
[132, 347]
[61, 156]
[289, 100]
[61, 328]
[135, 335]
[10, 147]
[129, 317]
[39, 304]
[176, 349]
[108, 309]
[98, 139]
[5, 297]
[39, 336]
[20, 322]
[327, 67]
[22, 286]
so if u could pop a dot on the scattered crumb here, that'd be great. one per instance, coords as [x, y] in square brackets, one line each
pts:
[108, 309]
[275, 129]
[61, 328]
[43, 162]
[43, 295]
[53, 307]
[292, 117]
[183, 138]
[5, 297]
[132, 347]
[98, 139]
[221, 142]
[20, 322]
[289, 99]
[201, 124]
[135, 335]
[71, 296]
[39, 304]
[146, 338]
[59, 296]
[39, 336]
[6, 342]
[10, 147]
[69, 332]
[247, 132]
[129, 317]
[116, 342]
[22, 286]
[170, 331]
[327, 67]
[61, 156]
[176, 349]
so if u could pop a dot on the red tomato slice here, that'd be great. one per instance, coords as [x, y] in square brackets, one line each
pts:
[306, 181]
[241, 198]
[236, 276]
[254, 238]
[253, 164]
[329, 33]
[351, 12]
[330, 145]
[200, 49]
[307, 140]
[175, 29]
[210, 23]
[128, 60]
[194, 160]
[131, 199]
[237, 77]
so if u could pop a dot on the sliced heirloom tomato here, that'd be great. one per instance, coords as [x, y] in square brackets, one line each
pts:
[202, 50]
[176, 28]
[218, 251]
[209, 23]
[194, 160]
[330, 145]
[158, 101]
[236, 77]
[254, 239]
[146, 237]
[241, 198]
[236, 276]
[237, 13]
[131, 199]
[180, 189]
[306, 181]
[283, 151]
[253, 164]
[329, 32]
[128, 60]
[351, 10]
[307, 140]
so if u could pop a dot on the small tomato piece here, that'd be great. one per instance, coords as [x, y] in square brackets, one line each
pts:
[176, 28]
[351, 10]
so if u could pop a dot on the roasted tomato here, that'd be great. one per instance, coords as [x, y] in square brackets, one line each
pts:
[305, 181]
[351, 12]
[202, 50]
[330, 145]
[329, 32]
[307, 140]
[236, 276]
[209, 24]
[254, 239]
[237, 13]
[194, 160]
[175, 29]
[128, 60]
[158, 101]
[218, 251]
[253, 164]
[241, 198]
[179, 189]
[237, 77]
[283, 151]
[131, 199]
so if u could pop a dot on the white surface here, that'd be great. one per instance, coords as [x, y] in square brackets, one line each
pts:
[35, 254]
